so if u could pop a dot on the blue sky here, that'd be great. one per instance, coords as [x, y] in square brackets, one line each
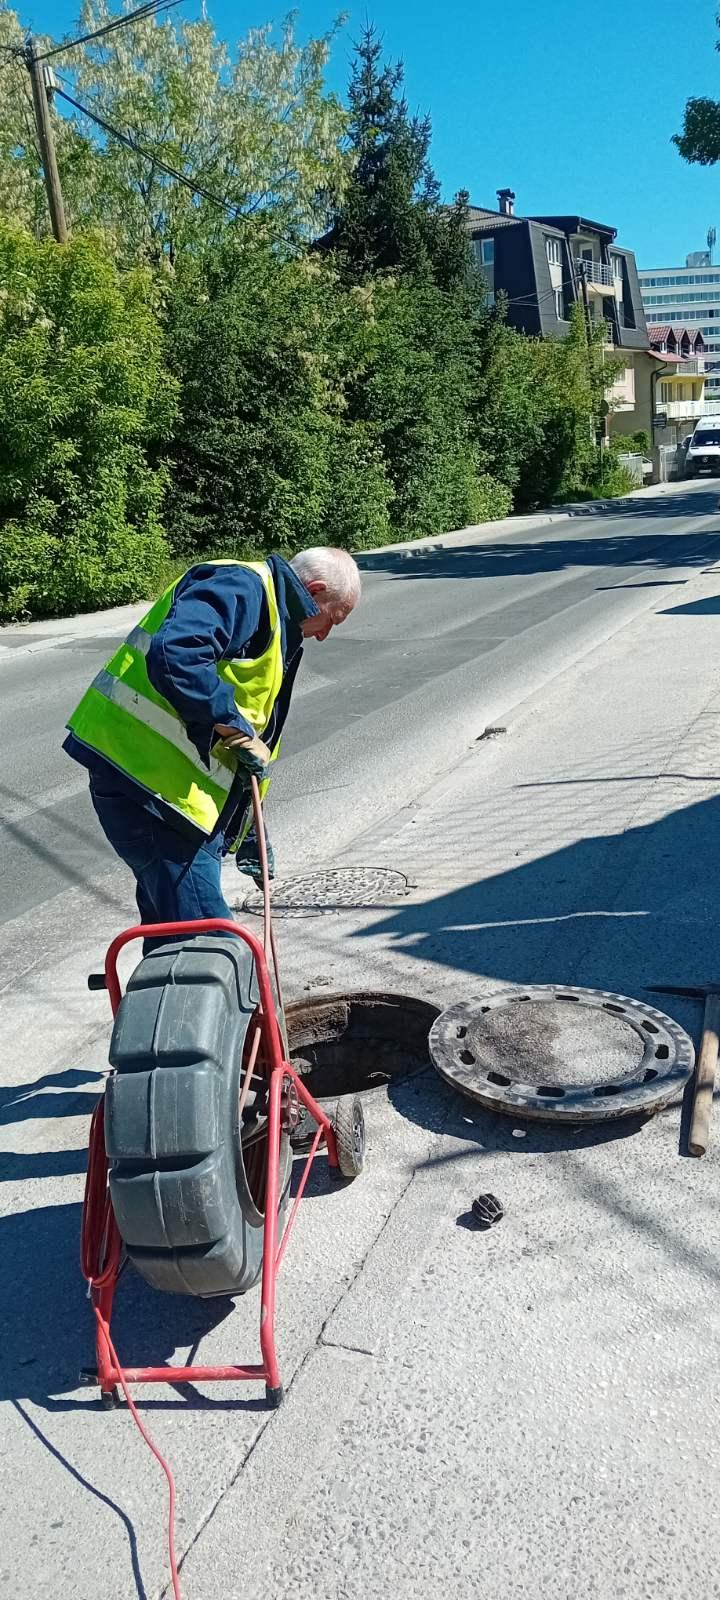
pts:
[567, 104]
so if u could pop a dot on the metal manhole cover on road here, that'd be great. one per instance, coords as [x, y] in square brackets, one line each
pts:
[318, 893]
[562, 1055]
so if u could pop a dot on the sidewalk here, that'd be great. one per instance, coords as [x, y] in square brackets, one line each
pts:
[472, 1417]
[534, 1421]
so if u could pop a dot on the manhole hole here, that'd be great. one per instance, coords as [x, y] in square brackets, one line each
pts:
[347, 1043]
[576, 1055]
[318, 893]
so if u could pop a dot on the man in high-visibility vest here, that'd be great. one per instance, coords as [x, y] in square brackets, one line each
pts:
[193, 701]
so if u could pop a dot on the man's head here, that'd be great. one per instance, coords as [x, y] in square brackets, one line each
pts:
[333, 580]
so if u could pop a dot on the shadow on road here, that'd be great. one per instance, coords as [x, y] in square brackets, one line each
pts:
[46, 1325]
[655, 548]
[708, 607]
[616, 911]
[25, 1102]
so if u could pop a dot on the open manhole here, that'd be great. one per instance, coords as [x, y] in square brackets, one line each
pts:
[348, 1043]
[316, 894]
[562, 1055]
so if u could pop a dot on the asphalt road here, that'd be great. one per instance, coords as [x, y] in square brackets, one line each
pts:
[445, 634]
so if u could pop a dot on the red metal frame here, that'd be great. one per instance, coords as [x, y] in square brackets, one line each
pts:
[98, 1218]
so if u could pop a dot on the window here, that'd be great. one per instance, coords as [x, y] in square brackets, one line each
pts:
[485, 251]
[553, 252]
[559, 305]
[617, 267]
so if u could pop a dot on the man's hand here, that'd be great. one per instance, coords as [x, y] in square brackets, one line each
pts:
[249, 752]
[247, 858]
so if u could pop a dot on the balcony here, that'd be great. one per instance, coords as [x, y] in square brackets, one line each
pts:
[685, 410]
[689, 369]
[598, 277]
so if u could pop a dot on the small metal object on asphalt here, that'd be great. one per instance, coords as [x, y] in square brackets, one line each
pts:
[487, 1210]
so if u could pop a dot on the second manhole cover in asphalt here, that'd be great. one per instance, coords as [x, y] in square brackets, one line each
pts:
[318, 893]
[562, 1055]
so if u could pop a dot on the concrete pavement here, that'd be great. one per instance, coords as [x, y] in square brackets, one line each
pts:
[497, 1416]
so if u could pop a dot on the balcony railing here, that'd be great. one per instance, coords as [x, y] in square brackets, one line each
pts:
[595, 273]
[681, 410]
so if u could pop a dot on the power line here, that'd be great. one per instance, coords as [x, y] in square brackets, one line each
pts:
[142, 14]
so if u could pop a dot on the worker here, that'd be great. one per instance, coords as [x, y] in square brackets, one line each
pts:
[192, 705]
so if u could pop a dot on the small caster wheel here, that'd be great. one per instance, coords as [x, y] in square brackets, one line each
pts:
[273, 1397]
[109, 1399]
[349, 1126]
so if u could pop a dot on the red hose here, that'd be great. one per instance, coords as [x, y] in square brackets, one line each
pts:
[100, 1251]
[159, 1457]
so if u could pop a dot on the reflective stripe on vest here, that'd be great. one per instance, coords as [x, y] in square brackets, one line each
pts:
[123, 718]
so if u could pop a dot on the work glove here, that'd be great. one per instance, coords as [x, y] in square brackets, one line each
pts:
[247, 858]
[249, 751]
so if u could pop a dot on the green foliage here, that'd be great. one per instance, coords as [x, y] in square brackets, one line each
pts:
[388, 216]
[699, 141]
[416, 391]
[610, 480]
[539, 413]
[255, 127]
[264, 455]
[185, 380]
[637, 443]
[84, 403]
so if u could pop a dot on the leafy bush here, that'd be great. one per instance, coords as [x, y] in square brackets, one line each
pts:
[265, 455]
[631, 443]
[84, 403]
[614, 480]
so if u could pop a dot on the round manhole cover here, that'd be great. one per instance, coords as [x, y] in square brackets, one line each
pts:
[575, 1055]
[318, 893]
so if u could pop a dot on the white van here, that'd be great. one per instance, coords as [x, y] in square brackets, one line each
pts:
[703, 451]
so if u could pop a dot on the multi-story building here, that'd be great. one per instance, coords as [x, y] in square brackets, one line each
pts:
[546, 265]
[540, 263]
[688, 295]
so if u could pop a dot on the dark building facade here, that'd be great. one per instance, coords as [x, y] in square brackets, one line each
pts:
[545, 265]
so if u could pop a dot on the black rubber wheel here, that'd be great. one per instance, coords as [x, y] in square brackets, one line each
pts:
[186, 1182]
[349, 1125]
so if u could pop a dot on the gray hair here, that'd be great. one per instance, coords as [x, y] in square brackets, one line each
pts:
[335, 568]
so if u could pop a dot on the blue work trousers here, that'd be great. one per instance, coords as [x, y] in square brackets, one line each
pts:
[177, 878]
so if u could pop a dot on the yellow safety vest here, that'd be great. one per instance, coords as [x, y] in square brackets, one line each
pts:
[123, 718]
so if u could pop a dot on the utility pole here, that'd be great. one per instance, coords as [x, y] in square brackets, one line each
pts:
[582, 270]
[584, 292]
[46, 141]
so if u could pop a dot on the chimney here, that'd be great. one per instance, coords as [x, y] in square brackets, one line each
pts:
[506, 201]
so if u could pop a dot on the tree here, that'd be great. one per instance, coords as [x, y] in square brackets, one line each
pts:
[256, 130]
[388, 217]
[85, 406]
[700, 139]
[416, 391]
[539, 411]
[266, 455]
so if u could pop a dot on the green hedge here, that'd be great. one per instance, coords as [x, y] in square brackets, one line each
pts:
[85, 404]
